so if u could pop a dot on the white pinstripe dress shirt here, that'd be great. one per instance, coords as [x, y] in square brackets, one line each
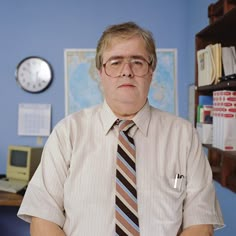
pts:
[74, 185]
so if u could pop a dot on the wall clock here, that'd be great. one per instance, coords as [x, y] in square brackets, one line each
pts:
[34, 74]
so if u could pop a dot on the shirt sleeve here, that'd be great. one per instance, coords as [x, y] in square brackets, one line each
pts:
[44, 195]
[201, 205]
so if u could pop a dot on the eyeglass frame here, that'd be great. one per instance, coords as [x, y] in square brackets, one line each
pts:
[128, 59]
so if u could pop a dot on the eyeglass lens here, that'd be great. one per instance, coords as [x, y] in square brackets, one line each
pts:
[114, 67]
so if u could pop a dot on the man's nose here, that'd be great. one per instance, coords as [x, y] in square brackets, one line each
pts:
[127, 70]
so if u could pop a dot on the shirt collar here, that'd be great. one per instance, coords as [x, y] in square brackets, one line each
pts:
[141, 119]
[108, 118]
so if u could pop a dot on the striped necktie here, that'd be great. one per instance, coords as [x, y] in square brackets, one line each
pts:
[126, 195]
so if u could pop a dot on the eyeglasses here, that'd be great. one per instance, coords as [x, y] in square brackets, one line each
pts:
[114, 66]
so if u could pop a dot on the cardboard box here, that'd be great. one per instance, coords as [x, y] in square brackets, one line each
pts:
[224, 120]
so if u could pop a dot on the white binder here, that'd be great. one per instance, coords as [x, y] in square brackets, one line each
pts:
[206, 67]
[209, 65]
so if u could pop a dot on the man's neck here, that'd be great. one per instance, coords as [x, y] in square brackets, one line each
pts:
[125, 111]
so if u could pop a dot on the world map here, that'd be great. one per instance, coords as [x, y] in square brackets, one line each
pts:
[82, 82]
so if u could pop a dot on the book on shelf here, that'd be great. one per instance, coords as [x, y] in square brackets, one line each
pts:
[204, 118]
[205, 100]
[224, 120]
[204, 109]
[204, 114]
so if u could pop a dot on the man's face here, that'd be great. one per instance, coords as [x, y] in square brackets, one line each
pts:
[127, 93]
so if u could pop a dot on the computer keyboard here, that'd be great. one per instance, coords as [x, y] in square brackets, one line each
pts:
[13, 186]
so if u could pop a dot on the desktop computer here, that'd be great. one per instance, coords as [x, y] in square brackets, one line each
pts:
[22, 161]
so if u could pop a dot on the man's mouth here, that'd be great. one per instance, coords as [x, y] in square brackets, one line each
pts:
[126, 85]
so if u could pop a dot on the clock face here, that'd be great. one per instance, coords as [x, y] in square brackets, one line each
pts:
[34, 74]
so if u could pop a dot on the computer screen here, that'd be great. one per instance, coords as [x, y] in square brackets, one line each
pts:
[18, 158]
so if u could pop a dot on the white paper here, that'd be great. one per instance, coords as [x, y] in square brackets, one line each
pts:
[34, 119]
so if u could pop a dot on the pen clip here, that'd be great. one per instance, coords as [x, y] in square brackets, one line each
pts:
[178, 181]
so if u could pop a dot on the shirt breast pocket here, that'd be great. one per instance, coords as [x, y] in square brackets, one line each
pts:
[164, 197]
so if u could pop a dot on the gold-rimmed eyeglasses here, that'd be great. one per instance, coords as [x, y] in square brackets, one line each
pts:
[114, 66]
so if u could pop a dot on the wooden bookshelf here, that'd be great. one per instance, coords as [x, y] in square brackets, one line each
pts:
[222, 31]
[223, 164]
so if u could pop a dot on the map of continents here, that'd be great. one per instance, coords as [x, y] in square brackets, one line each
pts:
[83, 88]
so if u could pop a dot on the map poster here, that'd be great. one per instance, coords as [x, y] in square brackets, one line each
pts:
[82, 82]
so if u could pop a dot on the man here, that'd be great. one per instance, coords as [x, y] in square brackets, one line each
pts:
[75, 189]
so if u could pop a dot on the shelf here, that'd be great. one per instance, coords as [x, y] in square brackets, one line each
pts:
[231, 154]
[231, 182]
[222, 30]
[223, 165]
[226, 85]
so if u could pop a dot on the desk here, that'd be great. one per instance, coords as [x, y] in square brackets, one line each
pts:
[10, 199]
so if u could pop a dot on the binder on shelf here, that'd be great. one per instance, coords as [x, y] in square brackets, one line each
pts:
[229, 60]
[217, 52]
[209, 64]
[205, 67]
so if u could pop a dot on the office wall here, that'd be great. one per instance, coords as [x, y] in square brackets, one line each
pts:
[45, 28]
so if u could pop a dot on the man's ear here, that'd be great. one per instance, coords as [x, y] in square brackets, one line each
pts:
[151, 74]
[100, 73]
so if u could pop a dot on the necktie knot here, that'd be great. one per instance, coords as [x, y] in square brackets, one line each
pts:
[125, 125]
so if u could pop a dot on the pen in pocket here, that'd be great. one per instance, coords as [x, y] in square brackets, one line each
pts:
[178, 179]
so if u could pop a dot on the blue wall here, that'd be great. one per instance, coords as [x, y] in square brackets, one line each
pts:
[45, 28]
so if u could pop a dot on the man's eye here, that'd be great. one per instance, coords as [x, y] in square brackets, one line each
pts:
[137, 62]
[115, 62]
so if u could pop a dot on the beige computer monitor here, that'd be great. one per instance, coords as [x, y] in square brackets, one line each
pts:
[22, 162]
